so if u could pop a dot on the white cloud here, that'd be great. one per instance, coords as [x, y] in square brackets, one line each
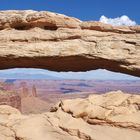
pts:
[123, 20]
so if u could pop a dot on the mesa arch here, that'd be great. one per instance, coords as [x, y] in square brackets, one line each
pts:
[31, 39]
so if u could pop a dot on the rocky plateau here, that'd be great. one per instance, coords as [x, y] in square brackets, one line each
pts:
[111, 116]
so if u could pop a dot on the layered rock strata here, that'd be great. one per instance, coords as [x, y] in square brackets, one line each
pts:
[10, 98]
[61, 43]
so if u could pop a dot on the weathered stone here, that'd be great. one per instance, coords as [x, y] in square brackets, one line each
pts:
[113, 109]
[22, 20]
[60, 43]
[109, 116]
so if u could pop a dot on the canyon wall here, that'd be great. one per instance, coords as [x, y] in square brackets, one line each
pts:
[57, 42]
[11, 99]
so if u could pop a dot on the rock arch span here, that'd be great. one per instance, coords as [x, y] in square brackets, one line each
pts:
[31, 39]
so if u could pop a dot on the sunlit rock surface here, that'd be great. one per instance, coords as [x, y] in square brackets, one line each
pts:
[61, 43]
[109, 116]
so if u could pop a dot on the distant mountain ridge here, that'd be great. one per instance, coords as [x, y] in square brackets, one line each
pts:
[27, 76]
[100, 74]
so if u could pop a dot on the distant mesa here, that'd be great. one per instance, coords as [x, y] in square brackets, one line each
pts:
[10, 81]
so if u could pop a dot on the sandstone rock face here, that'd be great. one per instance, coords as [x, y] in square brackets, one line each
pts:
[57, 42]
[110, 116]
[114, 108]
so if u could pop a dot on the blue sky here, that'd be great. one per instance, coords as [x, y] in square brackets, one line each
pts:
[84, 10]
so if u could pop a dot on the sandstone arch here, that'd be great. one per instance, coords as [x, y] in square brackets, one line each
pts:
[56, 42]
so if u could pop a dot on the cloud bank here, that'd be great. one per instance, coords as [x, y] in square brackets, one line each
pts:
[123, 20]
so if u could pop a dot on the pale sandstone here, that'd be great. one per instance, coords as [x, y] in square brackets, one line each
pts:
[114, 108]
[61, 43]
[109, 116]
[7, 110]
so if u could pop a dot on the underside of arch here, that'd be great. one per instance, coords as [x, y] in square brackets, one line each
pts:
[31, 39]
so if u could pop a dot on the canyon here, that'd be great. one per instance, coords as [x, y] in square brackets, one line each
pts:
[38, 96]
[49, 92]
[113, 115]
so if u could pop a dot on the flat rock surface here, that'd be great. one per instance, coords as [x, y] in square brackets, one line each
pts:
[110, 116]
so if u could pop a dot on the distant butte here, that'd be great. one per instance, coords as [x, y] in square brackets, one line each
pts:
[57, 42]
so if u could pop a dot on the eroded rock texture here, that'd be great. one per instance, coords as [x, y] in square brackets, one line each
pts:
[114, 115]
[10, 98]
[57, 42]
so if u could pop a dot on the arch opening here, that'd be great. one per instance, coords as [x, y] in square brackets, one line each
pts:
[66, 64]
[36, 90]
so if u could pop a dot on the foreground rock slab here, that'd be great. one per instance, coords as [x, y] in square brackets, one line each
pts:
[61, 43]
[109, 116]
